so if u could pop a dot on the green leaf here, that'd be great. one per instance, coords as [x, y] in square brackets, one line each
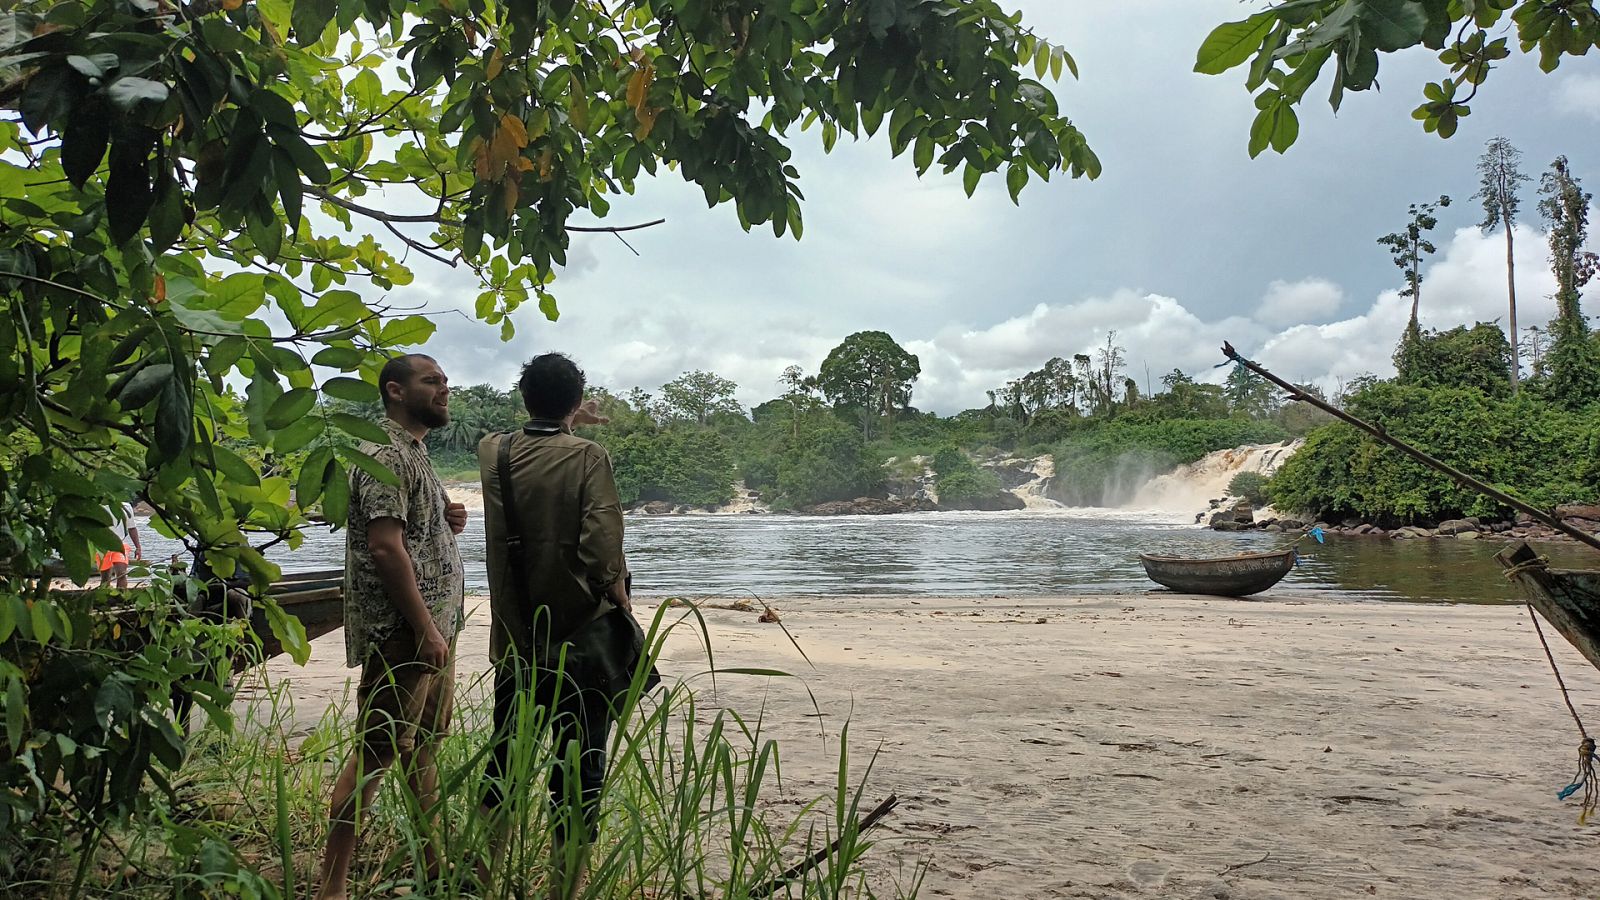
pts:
[336, 494]
[357, 427]
[310, 17]
[84, 142]
[1016, 180]
[238, 296]
[336, 308]
[969, 178]
[291, 634]
[234, 467]
[42, 631]
[289, 408]
[353, 389]
[1232, 43]
[298, 434]
[1390, 25]
[313, 472]
[145, 385]
[370, 465]
[16, 712]
[1285, 128]
[304, 156]
[547, 306]
[406, 331]
[128, 92]
[174, 420]
[342, 358]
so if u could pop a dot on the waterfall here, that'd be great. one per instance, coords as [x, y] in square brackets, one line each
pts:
[1032, 492]
[1191, 488]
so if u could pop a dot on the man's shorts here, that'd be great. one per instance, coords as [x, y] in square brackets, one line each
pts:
[403, 702]
[113, 558]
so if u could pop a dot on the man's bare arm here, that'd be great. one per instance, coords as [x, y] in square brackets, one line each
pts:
[386, 540]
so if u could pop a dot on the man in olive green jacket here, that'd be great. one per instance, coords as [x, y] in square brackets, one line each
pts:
[571, 549]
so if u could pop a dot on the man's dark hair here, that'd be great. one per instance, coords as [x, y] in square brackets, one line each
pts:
[398, 369]
[551, 385]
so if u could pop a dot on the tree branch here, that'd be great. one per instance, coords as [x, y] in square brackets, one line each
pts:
[614, 229]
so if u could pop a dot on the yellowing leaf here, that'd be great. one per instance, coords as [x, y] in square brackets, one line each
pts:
[496, 63]
[480, 154]
[514, 127]
[231, 5]
[639, 85]
[647, 122]
[511, 194]
[546, 164]
[579, 108]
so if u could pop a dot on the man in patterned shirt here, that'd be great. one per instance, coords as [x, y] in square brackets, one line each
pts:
[403, 606]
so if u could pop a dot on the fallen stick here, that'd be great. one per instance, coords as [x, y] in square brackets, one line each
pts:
[1237, 867]
[815, 859]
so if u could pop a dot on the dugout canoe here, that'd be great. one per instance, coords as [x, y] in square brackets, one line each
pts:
[1223, 576]
[1569, 599]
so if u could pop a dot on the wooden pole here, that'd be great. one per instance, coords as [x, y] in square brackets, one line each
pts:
[1446, 469]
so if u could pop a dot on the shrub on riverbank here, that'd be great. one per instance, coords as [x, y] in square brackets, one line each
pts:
[1540, 452]
[960, 481]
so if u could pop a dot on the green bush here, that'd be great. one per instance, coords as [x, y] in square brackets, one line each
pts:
[1542, 453]
[960, 479]
[691, 466]
[1251, 486]
[829, 462]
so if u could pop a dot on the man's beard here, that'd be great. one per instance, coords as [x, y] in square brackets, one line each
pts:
[429, 415]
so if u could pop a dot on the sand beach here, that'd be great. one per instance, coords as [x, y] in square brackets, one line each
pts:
[1159, 745]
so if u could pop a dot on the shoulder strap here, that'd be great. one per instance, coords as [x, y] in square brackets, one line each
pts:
[515, 559]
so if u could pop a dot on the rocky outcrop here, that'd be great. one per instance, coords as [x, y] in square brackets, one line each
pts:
[1005, 500]
[1235, 517]
[868, 506]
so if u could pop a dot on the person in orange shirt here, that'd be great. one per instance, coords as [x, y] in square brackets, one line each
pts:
[114, 563]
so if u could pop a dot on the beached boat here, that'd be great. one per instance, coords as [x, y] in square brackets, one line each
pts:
[1224, 576]
[1569, 599]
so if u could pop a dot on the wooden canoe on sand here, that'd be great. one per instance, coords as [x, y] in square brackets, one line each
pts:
[1224, 576]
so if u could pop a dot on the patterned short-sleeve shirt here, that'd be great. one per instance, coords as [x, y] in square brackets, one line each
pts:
[370, 615]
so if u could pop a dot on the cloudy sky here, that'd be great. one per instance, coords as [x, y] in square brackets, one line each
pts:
[1182, 243]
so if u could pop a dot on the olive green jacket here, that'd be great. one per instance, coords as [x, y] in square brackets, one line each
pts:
[571, 536]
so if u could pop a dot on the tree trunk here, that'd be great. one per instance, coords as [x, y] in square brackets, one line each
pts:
[1511, 292]
[1416, 286]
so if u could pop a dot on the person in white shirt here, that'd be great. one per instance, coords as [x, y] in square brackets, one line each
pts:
[114, 564]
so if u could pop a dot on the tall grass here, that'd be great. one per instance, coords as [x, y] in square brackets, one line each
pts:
[687, 811]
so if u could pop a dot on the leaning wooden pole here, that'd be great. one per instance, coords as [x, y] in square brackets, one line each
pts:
[1446, 469]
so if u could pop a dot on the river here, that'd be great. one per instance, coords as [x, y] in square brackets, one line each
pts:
[1011, 554]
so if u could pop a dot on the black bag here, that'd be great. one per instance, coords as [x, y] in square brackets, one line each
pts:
[603, 654]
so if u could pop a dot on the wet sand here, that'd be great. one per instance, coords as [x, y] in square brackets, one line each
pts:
[1161, 745]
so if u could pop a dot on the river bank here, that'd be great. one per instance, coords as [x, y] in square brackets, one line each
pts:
[1158, 745]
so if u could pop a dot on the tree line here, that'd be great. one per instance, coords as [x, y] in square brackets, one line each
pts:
[1517, 410]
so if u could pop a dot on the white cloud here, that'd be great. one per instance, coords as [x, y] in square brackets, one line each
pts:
[744, 339]
[1294, 302]
[1579, 94]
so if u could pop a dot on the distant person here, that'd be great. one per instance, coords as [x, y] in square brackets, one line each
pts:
[209, 596]
[403, 607]
[114, 563]
[570, 524]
